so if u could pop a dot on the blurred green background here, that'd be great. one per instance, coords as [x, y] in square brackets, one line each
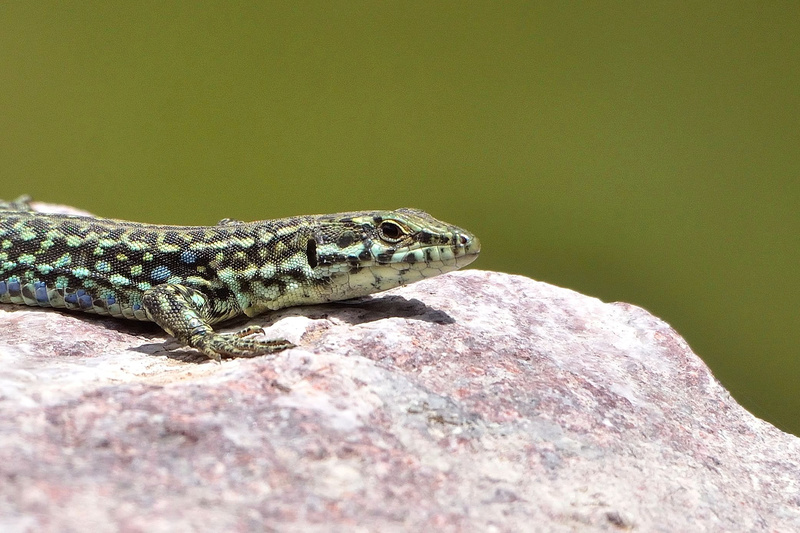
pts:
[643, 152]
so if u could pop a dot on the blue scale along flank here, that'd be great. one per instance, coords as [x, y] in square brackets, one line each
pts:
[187, 278]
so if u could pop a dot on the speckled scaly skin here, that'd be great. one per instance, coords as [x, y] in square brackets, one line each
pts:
[187, 278]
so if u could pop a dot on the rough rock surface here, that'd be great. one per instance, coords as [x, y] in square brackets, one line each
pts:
[475, 401]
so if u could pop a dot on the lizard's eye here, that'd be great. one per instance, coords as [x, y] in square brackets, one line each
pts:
[391, 231]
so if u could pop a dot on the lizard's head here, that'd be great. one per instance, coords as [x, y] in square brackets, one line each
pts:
[368, 252]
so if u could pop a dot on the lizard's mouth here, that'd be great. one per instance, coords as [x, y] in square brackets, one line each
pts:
[462, 250]
[407, 266]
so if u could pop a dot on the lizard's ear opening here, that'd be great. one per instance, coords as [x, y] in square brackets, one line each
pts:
[311, 253]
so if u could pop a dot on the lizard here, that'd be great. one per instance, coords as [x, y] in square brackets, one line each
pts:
[186, 279]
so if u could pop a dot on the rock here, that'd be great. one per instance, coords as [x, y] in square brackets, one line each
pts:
[475, 401]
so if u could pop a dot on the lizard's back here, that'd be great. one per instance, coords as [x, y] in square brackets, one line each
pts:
[104, 265]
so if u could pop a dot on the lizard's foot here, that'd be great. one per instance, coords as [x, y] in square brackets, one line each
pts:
[249, 330]
[219, 345]
[183, 311]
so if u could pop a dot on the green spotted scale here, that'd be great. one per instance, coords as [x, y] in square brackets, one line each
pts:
[188, 278]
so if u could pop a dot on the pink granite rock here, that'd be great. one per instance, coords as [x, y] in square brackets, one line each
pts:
[475, 401]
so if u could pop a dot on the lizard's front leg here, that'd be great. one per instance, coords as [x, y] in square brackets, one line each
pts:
[183, 312]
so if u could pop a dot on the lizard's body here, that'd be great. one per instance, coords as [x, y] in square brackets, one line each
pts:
[186, 278]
